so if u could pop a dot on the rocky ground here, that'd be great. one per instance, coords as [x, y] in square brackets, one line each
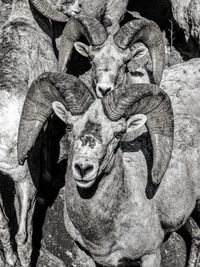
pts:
[52, 245]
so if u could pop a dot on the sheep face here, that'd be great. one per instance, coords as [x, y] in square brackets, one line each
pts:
[94, 139]
[69, 7]
[109, 63]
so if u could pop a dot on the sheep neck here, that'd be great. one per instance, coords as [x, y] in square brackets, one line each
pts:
[103, 206]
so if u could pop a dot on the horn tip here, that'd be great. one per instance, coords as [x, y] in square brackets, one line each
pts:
[22, 159]
[156, 176]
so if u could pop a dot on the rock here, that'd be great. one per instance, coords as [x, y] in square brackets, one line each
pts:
[182, 80]
[5, 9]
[47, 259]
[186, 14]
[173, 252]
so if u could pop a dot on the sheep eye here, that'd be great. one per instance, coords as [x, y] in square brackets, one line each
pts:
[119, 135]
[91, 57]
[123, 66]
[136, 73]
[69, 127]
[93, 64]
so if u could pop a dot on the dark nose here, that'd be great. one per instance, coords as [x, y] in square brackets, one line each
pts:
[83, 169]
[104, 91]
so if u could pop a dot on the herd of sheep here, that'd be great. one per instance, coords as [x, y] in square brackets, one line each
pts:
[119, 205]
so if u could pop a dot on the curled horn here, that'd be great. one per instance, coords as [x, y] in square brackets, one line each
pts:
[90, 27]
[49, 87]
[153, 102]
[147, 32]
[45, 9]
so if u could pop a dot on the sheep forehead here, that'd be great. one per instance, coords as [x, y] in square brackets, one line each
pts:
[109, 53]
[95, 123]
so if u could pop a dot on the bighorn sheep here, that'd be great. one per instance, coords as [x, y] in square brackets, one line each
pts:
[106, 206]
[109, 54]
[108, 11]
[25, 52]
[96, 160]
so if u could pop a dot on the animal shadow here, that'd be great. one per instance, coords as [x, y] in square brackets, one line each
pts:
[48, 186]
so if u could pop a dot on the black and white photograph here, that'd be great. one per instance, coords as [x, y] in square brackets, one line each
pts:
[99, 133]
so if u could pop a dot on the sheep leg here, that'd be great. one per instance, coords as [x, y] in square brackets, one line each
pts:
[152, 260]
[9, 254]
[26, 193]
[194, 231]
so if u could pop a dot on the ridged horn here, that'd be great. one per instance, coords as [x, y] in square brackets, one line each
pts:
[89, 27]
[49, 87]
[46, 10]
[147, 32]
[153, 102]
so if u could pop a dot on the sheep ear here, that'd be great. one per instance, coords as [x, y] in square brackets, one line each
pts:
[82, 48]
[135, 122]
[138, 57]
[138, 51]
[60, 110]
[63, 113]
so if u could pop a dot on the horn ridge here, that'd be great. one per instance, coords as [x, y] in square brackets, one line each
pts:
[77, 96]
[147, 32]
[37, 108]
[96, 33]
[90, 27]
[153, 102]
[138, 30]
[46, 10]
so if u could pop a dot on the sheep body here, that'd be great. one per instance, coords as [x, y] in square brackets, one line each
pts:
[25, 52]
[119, 221]
[108, 11]
[111, 206]
[117, 225]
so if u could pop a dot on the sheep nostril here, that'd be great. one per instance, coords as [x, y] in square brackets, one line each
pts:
[107, 90]
[101, 91]
[88, 169]
[78, 169]
[104, 91]
[83, 170]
